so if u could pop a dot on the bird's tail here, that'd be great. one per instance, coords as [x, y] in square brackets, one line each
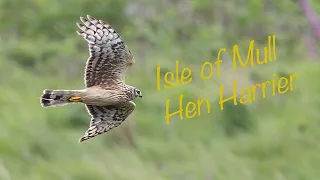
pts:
[60, 97]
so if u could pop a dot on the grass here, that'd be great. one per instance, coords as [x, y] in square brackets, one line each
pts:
[38, 143]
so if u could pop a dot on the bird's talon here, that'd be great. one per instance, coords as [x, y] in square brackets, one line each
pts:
[75, 99]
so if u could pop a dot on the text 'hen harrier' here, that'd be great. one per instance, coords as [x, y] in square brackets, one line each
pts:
[107, 98]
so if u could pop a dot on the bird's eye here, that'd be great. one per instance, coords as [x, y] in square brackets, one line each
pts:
[138, 92]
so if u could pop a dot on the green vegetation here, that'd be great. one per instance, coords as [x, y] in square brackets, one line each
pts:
[272, 138]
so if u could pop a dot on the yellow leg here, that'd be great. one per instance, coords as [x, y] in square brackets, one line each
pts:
[75, 99]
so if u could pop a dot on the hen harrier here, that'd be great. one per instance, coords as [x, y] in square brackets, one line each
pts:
[107, 98]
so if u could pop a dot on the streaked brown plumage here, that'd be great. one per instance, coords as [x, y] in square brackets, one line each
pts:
[107, 98]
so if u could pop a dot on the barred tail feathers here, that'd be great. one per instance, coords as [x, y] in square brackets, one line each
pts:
[59, 97]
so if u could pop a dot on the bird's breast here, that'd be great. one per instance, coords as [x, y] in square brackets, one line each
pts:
[101, 97]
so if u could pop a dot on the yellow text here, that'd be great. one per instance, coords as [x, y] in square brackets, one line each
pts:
[249, 94]
[191, 109]
[174, 78]
[268, 53]
[209, 66]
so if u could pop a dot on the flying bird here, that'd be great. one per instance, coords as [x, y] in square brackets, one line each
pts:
[108, 99]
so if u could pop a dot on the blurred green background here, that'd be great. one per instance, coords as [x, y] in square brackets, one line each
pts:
[273, 138]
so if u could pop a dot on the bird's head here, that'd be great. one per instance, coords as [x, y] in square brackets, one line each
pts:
[137, 93]
[134, 92]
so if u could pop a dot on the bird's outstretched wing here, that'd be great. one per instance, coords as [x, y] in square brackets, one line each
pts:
[109, 55]
[105, 118]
